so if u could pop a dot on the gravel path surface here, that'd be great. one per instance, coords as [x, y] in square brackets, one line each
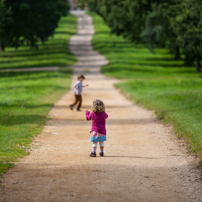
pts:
[144, 161]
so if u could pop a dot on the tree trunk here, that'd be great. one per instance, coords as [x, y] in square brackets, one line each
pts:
[189, 59]
[177, 52]
[2, 46]
[198, 64]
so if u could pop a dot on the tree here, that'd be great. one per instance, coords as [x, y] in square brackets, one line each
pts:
[123, 17]
[32, 20]
[173, 24]
[5, 21]
[157, 29]
[187, 25]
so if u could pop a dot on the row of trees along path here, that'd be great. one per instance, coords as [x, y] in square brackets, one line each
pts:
[144, 161]
[172, 24]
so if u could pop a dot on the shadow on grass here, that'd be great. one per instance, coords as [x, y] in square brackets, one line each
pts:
[158, 64]
[30, 88]
[40, 58]
[29, 106]
[132, 69]
[64, 32]
[102, 32]
[36, 75]
[103, 43]
[164, 112]
[58, 48]
[22, 119]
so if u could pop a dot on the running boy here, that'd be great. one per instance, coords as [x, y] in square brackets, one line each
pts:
[77, 92]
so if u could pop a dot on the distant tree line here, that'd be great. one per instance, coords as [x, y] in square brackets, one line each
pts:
[29, 21]
[173, 24]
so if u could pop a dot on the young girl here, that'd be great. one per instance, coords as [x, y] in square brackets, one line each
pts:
[98, 131]
[77, 92]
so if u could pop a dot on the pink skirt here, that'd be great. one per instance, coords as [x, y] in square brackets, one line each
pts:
[97, 137]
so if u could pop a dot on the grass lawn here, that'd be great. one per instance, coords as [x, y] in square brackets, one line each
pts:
[27, 97]
[155, 81]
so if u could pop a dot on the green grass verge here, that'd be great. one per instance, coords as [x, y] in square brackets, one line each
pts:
[54, 52]
[27, 97]
[155, 81]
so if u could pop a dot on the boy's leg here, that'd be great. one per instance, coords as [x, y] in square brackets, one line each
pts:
[80, 101]
[75, 100]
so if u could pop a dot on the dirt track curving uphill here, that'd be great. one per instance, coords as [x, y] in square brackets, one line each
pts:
[144, 161]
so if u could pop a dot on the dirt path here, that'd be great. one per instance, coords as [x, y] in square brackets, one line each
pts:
[144, 161]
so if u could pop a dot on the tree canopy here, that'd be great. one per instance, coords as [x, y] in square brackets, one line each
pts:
[29, 21]
[173, 24]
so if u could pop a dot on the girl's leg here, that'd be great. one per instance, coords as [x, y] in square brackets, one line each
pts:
[94, 147]
[101, 148]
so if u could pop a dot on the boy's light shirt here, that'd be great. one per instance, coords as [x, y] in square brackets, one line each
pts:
[79, 86]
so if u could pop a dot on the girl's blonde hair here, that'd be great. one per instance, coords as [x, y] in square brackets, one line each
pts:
[98, 106]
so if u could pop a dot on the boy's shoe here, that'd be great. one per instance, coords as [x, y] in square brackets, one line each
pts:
[71, 107]
[78, 110]
[92, 154]
[101, 154]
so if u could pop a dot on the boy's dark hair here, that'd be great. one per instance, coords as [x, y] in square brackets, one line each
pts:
[81, 76]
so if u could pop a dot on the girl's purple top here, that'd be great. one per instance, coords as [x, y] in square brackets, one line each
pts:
[98, 121]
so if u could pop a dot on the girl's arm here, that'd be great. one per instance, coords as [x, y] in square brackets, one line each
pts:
[106, 115]
[89, 115]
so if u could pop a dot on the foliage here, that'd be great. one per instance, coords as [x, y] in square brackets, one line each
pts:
[155, 81]
[5, 22]
[187, 25]
[32, 20]
[81, 4]
[55, 52]
[22, 117]
[174, 24]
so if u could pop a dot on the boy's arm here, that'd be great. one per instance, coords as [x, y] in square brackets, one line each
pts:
[89, 115]
[76, 87]
[85, 85]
